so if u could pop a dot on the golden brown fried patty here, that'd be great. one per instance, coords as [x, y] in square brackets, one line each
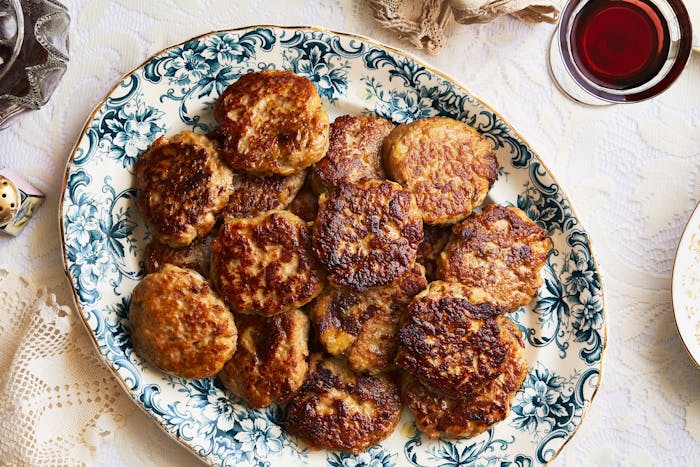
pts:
[196, 255]
[182, 184]
[497, 253]
[364, 326]
[339, 409]
[305, 203]
[253, 195]
[366, 233]
[448, 343]
[477, 412]
[353, 153]
[272, 122]
[270, 361]
[434, 240]
[264, 265]
[447, 164]
[178, 323]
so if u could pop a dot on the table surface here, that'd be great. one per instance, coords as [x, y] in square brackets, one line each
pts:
[632, 172]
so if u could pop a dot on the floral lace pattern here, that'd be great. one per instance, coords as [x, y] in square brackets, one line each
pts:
[631, 171]
[61, 400]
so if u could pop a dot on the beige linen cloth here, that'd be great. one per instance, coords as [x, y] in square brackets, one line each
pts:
[423, 22]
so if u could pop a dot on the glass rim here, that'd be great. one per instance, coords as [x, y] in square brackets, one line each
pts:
[684, 49]
[19, 39]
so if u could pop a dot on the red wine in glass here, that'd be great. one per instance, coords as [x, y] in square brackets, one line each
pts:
[621, 50]
[620, 44]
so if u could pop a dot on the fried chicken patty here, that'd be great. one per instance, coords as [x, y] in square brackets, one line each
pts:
[270, 361]
[272, 122]
[182, 185]
[178, 323]
[305, 203]
[339, 409]
[353, 153]
[434, 240]
[196, 255]
[253, 195]
[475, 413]
[364, 326]
[497, 253]
[445, 163]
[264, 265]
[449, 343]
[367, 233]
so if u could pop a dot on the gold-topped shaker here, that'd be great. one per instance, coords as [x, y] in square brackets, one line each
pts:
[18, 201]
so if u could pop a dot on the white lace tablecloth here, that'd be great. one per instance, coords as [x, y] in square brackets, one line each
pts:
[633, 173]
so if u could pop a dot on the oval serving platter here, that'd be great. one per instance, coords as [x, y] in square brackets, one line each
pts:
[104, 238]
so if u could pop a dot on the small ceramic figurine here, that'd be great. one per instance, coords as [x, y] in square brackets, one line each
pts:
[18, 201]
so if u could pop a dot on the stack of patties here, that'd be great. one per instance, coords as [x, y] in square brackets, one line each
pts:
[294, 258]
[240, 206]
[365, 235]
[464, 360]
[215, 206]
[177, 321]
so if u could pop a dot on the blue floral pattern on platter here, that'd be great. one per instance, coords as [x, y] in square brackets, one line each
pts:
[104, 238]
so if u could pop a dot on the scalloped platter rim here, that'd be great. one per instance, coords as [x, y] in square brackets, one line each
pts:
[103, 237]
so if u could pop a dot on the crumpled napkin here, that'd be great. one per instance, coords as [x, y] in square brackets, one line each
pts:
[423, 22]
[482, 11]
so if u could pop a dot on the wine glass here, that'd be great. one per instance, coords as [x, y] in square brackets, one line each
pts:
[619, 51]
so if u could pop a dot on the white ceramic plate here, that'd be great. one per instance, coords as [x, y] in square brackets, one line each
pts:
[685, 286]
[104, 238]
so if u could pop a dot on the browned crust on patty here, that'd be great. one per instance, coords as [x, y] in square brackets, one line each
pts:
[178, 323]
[498, 254]
[305, 203]
[434, 240]
[470, 416]
[339, 409]
[182, 185]
[445, 163]
[449, 343]
[253, 195]
[364, 326]
[354, 151]
[272, 122]
[196, 255]
[367, 233]
[264, 265]
[270, 361]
